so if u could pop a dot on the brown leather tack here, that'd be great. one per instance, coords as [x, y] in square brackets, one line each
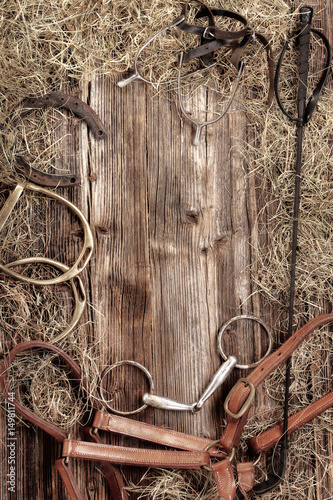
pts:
[245, 474]
[224, 478]
[269, 438]
[191, 452]
[159, 435]
[68, 480]
[135, 456]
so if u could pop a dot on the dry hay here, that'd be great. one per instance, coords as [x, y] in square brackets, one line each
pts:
[45, 385]
[56, 45]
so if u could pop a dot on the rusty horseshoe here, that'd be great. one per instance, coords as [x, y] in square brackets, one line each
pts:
[79, 108]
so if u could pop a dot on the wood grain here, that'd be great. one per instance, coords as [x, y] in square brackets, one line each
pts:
[175, 227]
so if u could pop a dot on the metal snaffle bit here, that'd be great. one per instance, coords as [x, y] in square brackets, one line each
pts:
[164, 403]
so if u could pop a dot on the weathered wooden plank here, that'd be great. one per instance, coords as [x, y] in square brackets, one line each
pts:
[175, 230]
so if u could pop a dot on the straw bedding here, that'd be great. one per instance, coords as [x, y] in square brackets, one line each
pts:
[56, 45]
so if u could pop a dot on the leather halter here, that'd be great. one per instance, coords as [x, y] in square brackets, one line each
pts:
[189, 452]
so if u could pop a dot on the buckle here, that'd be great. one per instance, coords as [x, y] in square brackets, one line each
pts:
[229, 457]
[207, 34]
[247, 403]
[60, 453]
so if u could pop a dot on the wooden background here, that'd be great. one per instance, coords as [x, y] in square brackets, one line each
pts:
[174, 227]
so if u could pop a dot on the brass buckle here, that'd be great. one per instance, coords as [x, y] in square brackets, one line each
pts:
[229, 457]
[247, 403]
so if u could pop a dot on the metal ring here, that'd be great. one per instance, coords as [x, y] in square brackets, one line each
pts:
[80, 301]
[115, 365]
[254, 318]
[88, 243]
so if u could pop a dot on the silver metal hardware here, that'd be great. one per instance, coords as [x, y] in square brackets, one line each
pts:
[138, 76]
[220, 376]
[167, 403]
[112, 367]
[199, 125]
[253, 318]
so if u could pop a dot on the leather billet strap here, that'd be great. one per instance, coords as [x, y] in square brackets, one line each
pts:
[166, 437]
[266, 440]
[240, 393]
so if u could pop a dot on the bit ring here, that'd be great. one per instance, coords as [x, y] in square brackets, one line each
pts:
[112, 367]
[254, 318]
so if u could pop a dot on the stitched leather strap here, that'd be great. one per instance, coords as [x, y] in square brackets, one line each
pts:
[269, 438]
[245, 475]
[68, 480]
[112, 474]
[135, 456]
[224, 478]
[234, 427]
[158, 435]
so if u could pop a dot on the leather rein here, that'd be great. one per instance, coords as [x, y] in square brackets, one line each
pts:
[188, 452]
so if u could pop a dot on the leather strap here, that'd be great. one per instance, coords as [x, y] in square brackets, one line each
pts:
[146, 432]
[211, 32]
[194, 459]
[320, 85]
[225, 479]
[135, 456]
[245, 475]
[269, 438]
[52, 429]
[112, 474]
[233, 430]
[68, 480]
[238, 40]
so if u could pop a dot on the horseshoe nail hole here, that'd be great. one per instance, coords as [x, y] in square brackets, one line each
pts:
[100, 132]
[72, 180]
[62, 98]
[76, 104]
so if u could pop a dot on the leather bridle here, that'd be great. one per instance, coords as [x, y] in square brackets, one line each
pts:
[189, 452]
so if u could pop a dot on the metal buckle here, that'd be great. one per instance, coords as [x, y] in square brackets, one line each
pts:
[207, 34]
[247, 403]
[59, 451]
[229, 457]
